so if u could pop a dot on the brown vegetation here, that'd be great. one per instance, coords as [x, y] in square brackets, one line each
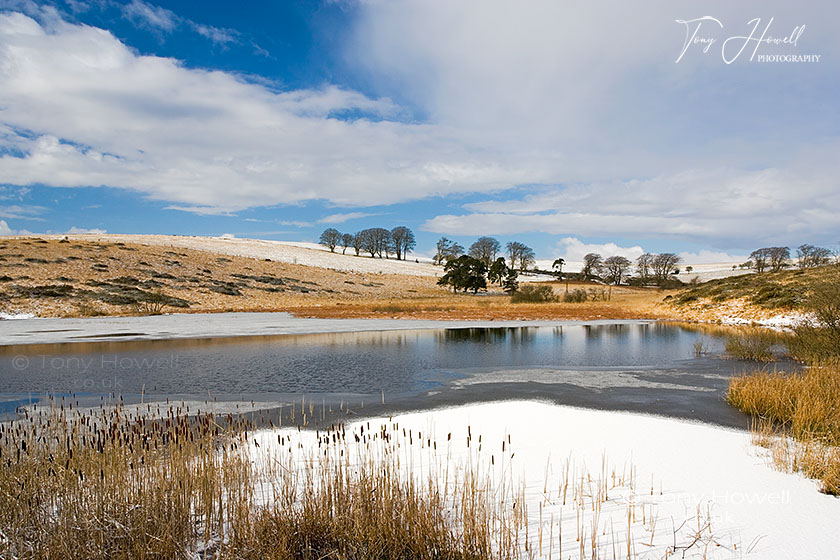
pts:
[86, 278]
[805, 407]
[802, 406]
[106, 484]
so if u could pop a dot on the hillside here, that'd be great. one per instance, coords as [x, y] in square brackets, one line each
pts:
[769, 297]
[87, 275]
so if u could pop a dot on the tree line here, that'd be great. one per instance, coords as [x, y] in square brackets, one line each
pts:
[774, 259]
[377, 242]
[471, 269]
[651, 268]
[486, 250]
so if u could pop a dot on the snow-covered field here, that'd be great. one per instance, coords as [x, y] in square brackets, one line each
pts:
[313, 254]
[709, 271]
[588, 478]
[308, 254]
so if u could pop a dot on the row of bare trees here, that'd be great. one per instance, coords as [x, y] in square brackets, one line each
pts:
[650, 267]
[774, 259]
[377, 242]
[486, 250]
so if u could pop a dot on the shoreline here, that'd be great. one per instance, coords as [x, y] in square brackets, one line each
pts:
[710, 485]
[183, 326]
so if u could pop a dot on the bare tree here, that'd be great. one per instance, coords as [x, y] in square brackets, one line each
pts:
[759, 259]
[617, 268]
[447, 250]
[779, 258]
[358, 242]
[347, 240]
[404, 241]
[520, 255]
[664, 264]
[558, 264]
[330, 238]
[770, 258]
[592, 263]
[809, 256]
[485, 250]
[376, 241]
[644, 265]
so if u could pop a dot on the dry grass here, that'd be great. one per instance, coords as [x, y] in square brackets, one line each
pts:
[803, 406]
[756, 344]
[86, 278]
[132, 483]
[101, 484]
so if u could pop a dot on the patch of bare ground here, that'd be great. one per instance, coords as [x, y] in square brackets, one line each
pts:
[77, 277]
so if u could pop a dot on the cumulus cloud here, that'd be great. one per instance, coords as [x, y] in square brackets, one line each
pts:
[715, 206]
[592, 112]
[711, 257]
[573, 249]
[5, 229]
[209, 142]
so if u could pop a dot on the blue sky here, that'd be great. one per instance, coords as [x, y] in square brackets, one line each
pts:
[564, 124]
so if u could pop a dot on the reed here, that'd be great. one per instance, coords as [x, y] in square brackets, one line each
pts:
[154, 481]
[105, 484]
[760, 345]
[797, 416]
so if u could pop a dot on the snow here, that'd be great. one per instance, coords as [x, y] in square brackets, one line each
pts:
[214, 325]
[15, 316]
[781, 321]
[307, 254]
[664, 478]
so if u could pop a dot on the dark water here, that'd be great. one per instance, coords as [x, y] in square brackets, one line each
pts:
[643, 358]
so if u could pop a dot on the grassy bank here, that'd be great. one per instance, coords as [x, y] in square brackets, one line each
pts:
[88, 277]
[797, 415]
[104, 485]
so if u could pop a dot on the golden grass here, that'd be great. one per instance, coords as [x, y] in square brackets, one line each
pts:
[804, 406]
[101, 484]
[136, 483]
[760, 345]
[208, 282]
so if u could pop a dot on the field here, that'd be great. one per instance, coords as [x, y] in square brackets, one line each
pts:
[85, 277]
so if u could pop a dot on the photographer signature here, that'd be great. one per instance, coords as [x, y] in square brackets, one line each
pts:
[732, 47]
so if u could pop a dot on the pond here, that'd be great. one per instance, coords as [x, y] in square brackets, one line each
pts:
[644, 366]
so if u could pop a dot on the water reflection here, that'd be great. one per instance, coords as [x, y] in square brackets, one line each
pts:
[396, 362]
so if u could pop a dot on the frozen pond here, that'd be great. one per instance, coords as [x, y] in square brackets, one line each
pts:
[645, 366]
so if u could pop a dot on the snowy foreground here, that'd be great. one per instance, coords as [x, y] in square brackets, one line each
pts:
[590, 479]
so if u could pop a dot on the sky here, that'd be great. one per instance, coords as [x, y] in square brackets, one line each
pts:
[571, 125]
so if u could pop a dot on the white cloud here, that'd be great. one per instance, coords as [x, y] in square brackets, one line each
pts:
[343, 217]
[218, 35]
[711, 257]
[573, 249]
[152, 16]
[715, 206]
[574, 94]
[208, 142]
[22, 211]
[160, 19]
[78, 230]
[5, 229]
